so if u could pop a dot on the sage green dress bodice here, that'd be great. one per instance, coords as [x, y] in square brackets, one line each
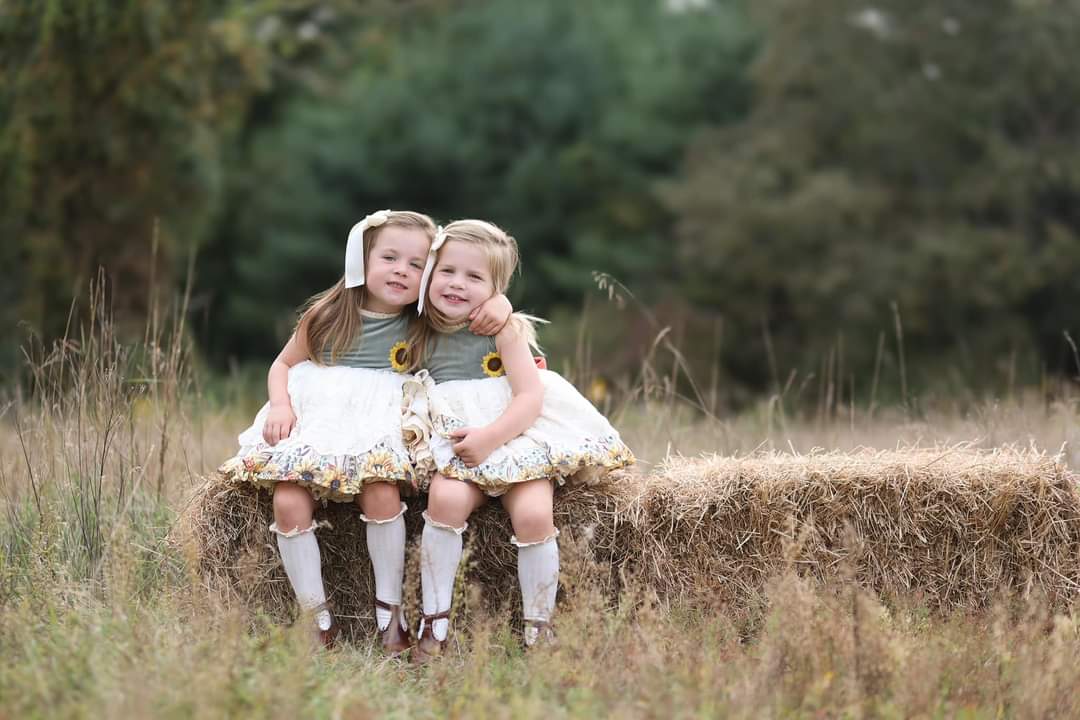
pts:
[380, 335]
[462, 355]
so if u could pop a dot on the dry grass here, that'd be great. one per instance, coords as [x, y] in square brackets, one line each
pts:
[715, 586]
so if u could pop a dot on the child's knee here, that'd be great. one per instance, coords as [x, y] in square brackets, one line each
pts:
[380, 501]
[293, 507]
[532, 523]
[450, 501]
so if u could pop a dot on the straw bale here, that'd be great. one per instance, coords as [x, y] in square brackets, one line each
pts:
[224, 528]
[953, 526]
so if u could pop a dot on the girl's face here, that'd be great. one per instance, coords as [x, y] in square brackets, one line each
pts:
[393, 268]
[461, 280]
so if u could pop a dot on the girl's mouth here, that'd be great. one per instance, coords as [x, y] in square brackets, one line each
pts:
[453, 298]
[396, 285]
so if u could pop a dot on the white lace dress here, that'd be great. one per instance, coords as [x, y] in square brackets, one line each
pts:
[348, 422]
[569, 442]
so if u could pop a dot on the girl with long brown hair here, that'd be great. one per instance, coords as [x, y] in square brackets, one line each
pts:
[331, 430]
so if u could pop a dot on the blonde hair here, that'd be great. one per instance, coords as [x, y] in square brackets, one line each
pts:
[331, 321]
[503, 258]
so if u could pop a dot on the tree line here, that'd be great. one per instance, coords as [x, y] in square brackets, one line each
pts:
[782, 181]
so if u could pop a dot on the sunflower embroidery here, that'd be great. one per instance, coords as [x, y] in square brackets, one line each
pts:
[332, 478]
[399, 356]
[305, 471]
[378, 464]
[493, 365]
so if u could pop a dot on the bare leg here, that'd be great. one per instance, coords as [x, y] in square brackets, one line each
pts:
[530, 508]
[380, 501]
[294, 508]
[451, 502]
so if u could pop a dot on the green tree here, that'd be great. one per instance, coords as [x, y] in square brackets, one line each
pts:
[119, 120]
[921, 153]
[108, 145]
[553, 119]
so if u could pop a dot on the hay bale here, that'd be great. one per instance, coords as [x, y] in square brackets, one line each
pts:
[224, 528]
[593, 518]
[956, 526]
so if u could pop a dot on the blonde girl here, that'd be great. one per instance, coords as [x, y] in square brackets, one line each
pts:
[331, 430]
[484, 421]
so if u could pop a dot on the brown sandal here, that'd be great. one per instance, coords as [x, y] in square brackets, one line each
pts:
[395, 639]
[327, 638]
[545, 633]
[427, 647]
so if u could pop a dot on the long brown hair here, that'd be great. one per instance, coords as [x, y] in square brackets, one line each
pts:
[503, 258]
[331, 321]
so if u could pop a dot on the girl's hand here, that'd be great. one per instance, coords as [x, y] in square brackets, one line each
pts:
[280, 422]
[474, 445]
[490, 317]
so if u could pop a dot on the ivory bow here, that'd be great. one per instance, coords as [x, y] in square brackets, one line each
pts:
[354, 248]
[438, 242]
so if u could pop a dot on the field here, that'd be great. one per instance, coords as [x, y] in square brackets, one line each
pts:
[104, 614]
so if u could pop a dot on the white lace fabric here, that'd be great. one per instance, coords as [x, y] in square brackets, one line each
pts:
[348, 433]
[570, 440]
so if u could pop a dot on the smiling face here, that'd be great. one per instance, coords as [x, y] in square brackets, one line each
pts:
[461, 280]
[393, 268]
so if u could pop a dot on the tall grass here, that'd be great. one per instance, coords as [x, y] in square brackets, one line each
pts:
[100, 618]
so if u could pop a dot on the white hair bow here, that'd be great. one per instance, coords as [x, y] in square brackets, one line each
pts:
[354, 249]
[438, 242]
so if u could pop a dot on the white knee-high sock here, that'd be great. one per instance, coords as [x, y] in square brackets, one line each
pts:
[303, 564]
[440, 554]
[386, 545]
[538, 573]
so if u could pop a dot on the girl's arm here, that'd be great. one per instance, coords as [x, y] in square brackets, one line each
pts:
[476, 444]
[281, 419]
[491, 316]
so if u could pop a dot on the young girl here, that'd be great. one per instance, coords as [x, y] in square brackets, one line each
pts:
[332, 427]
[487, 422]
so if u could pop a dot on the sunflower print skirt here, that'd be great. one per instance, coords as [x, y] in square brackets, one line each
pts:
[570, 441]
[347, 434]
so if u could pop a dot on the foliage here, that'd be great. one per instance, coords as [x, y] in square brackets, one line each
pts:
[816, 188]
[108, 147]
[552, 119]
[920, 154]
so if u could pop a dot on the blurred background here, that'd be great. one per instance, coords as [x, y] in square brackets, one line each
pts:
[838, 202]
